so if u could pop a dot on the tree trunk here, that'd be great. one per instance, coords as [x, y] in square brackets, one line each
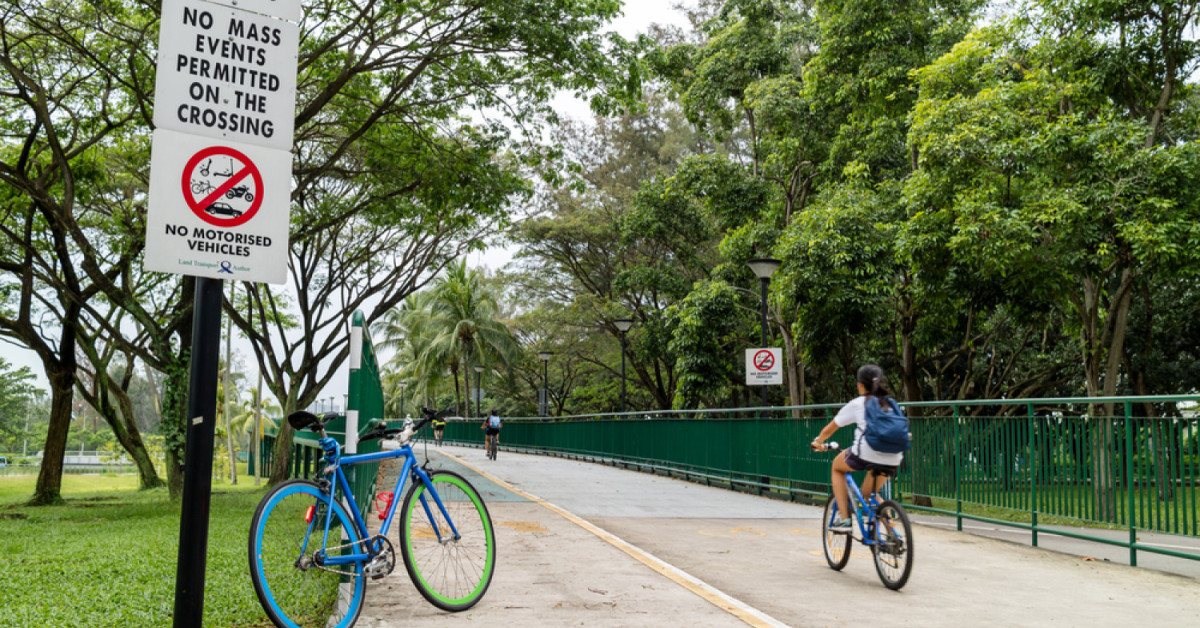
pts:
[794, 369]
[173, 423]
[124, 426]
[48, 490]
[1103, 348]
[282, 452]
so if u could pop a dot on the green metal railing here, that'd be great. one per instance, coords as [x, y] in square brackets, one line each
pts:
[1028, 463]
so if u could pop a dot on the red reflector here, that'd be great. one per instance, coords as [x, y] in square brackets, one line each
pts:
[308, 514]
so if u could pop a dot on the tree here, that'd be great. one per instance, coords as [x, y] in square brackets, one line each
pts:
[16, 397]
[463, 327]
[1048, 183]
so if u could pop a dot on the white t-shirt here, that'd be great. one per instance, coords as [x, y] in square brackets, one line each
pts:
[855, 412]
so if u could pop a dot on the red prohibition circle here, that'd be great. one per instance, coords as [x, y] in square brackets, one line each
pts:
[764, 360]
[200, 206]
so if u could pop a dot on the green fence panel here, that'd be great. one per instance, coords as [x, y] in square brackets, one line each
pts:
[1028, 463]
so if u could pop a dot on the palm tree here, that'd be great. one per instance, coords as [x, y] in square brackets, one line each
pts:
[447, 330]
[407, 330]
[464, 311]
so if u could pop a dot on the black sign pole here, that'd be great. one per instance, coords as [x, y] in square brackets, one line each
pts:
[198, 457]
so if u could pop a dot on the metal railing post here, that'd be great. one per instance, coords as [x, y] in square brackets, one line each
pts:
[1129, 482]
[1033, 518]
[958, 470]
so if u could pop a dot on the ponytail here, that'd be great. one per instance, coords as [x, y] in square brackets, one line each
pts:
[871, 377]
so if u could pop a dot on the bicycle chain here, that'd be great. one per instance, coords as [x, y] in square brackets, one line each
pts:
[389, 551]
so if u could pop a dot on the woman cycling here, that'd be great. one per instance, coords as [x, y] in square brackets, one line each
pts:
[439, 428]
[859, 456]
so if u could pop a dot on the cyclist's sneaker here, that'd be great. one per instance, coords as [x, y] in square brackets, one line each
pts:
[841, 527]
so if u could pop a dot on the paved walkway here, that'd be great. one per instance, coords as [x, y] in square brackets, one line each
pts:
[583, 544]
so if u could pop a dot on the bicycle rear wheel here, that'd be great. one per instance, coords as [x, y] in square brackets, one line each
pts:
[451, 572]
[893, 547]
[836, 545]
[284, 533]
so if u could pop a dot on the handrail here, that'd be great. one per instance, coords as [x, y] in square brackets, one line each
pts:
[1046, 463]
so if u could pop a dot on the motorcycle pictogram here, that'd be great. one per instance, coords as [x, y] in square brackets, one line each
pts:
[240, 191]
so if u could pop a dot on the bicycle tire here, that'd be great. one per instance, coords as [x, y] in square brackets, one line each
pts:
[452, 574]
[893, 549]
[295, 597]
[835, 545]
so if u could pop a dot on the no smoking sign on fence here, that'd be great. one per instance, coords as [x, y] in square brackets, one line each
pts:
[763, 367]
[224, 214]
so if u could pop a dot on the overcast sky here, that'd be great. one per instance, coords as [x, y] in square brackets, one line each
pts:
[637, 18]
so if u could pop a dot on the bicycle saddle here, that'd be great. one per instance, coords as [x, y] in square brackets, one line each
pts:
[303, 420]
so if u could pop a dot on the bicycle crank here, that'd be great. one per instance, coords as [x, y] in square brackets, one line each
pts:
[383, 562]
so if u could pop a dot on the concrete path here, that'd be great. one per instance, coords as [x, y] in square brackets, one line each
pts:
[583, 544]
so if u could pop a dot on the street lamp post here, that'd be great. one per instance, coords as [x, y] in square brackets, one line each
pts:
[623, 326]
[763, 268]
[478, 390]
[544, 356]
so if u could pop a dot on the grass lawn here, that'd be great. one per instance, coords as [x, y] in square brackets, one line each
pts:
[107, 558]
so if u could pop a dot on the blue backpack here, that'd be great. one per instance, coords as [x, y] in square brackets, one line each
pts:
[887, 430]
[494, 422]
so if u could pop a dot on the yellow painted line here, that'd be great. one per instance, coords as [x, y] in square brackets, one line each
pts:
[748, 614]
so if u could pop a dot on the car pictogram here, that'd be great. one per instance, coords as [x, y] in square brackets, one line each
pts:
[220, 208]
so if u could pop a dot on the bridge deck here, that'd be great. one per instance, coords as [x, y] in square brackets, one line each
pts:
[583, 544]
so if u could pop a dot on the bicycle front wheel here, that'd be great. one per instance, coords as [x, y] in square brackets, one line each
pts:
[836, 545]
[451, 571]
[893, 547]
[288, 527]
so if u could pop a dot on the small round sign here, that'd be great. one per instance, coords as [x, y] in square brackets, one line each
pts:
[764, 360]
[222, 186]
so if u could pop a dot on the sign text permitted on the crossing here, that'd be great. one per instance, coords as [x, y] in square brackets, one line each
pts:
[763, 367]
[226, 73]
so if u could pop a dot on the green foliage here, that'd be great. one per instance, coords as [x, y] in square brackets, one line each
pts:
[706, 334]
[16, 397]
[839, 270]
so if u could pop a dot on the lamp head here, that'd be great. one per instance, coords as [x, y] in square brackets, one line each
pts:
[544, 356]
[623, 324]
[763, 267]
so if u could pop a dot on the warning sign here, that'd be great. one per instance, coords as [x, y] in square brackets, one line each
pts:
[222, 186]
[224, 212]
[763, 367]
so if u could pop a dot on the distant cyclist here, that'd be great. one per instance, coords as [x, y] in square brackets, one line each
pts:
[860, 456]
[439, 427]
[492, 424]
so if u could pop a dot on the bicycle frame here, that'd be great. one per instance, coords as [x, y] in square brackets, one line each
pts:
[856, 499]
[336, 462]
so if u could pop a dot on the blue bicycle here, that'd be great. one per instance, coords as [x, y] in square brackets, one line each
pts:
[882, 526]
[311, 554]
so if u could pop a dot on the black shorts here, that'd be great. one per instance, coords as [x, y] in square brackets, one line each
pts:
[858, 464]
[492, 431]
